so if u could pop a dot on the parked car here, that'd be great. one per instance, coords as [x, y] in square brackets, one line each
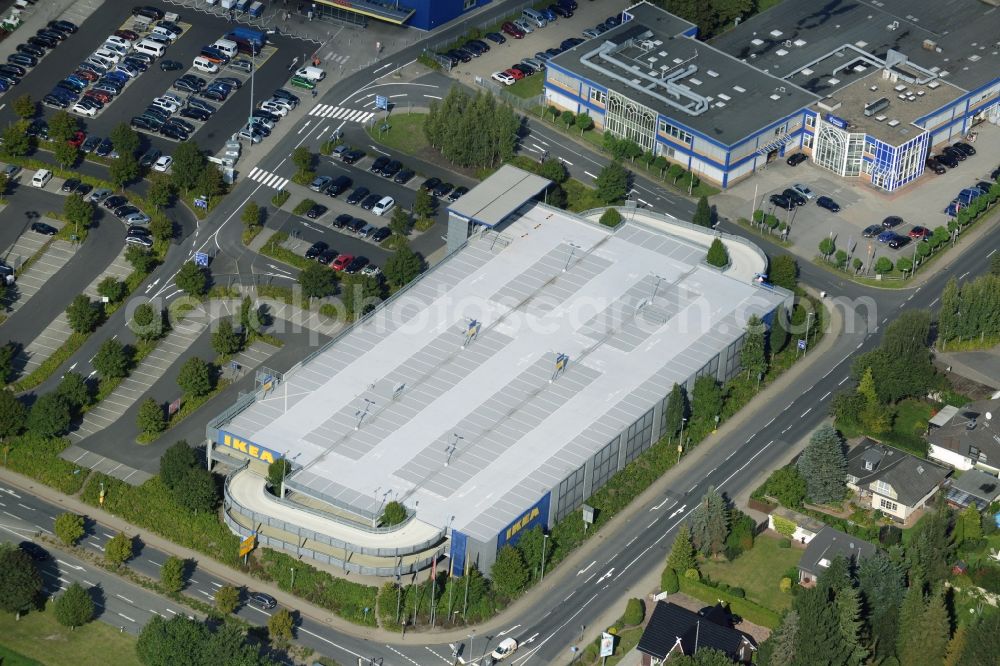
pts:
[934, 165]
[342, 221]
[920, 233]
[793, 196]
[892, 222]
[319, 183]
[898, 242]
[829, 204]
[495, 37]
[44, 229]
[352, 156]
[885, 236]
[170, 65]
[358, 195]
[948, 160]
[457, 193]
[70, 184]
[781, 201]
[796, 159]
[513, 30]
[965, 148]
[381, 234]
[316, 249]
[403, 176]
[163, 163]
[338, 186]
[370, 201]
[504, 78]
[315, 211]
[151, 156]
[442, 189]
[342, 262]
[955, 152]
[380, 161]
[429, 184]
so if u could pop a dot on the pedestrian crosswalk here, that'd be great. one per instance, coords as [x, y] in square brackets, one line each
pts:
[340, 113]
[268, 179]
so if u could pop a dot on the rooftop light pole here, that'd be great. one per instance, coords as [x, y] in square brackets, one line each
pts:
[573, 248]
[362, 414]
[451, 448]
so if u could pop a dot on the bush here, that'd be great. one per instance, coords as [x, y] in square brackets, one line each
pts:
[738, 592]
[68, 527]
[692, 574]
[279, 199]
[785, 543]
[785, 585]
[302, 206]
[669, 582]
[38, 457]
[635, 611]
[611, 217]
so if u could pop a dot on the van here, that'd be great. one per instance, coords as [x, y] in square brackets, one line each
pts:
[256, 10]
[313, 74]
[149, 47]
[227, 46]
[203, 64]
[41, 178]
[534, 18]
[384, 205]
[227, 4]
[160, 31]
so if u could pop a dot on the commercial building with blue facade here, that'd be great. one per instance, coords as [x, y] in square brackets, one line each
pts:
[420, 14]
[802, 76]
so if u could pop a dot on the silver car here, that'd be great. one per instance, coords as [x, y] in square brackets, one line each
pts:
[136, 219]
[99, 195]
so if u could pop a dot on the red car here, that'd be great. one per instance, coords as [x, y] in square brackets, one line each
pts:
[127, 34]
[77, 139]
[920, 233]
[515, 73]
[512, 30]
[87, 74]
[99, 95]
[342, 262]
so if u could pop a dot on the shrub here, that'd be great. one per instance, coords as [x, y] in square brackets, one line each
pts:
[785, 585]
[738, 592]
[279, 199]
[302, 206]
[785, 543]
[668, 581]
[393, 514]
[635, 611]
[692, 574]
[38, 457]
[784, 526]
[69, 528]
[611, 217]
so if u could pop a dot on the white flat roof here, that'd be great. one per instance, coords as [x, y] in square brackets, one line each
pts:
[472, 436]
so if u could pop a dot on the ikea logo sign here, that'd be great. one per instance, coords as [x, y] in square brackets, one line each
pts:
[248, 448]
[536, 515]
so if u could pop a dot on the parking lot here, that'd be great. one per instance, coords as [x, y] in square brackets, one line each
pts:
[920, 203]
[135, 97]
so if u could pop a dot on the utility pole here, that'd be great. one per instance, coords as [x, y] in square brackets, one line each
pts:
[545, 538]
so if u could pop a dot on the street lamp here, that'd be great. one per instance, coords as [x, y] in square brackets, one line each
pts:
[544, 539]
[293, 577]
[680, 447]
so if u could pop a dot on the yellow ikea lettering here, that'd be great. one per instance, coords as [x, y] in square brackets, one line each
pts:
[251, 450]
[522, 522]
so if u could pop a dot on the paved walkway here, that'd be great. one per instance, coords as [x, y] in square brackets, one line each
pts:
[58, 332]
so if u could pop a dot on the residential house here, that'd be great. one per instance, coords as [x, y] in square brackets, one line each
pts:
[673, 630]
[967, 437]
[805, 527]
[973, 487]
[826, 547]
[896, 483]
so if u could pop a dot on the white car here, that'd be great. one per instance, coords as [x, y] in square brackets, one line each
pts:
[108, 55]
[276, 109]
[115, 47]
[252, 136]
[88, 111]
[281, 101]
[504, 78]
[384, 205]
[507, 647]
[173, 98]
[166, 104]
[163, 163]
[803, 190]
[523, 25]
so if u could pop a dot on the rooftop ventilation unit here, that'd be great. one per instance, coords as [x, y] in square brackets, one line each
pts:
[929, 45]
[933, 84]
[874, 107]
[880, 119]
[892, 26]
[712, 73]
[776, 97]
[739, 89]
[756, 41]
[892, 123]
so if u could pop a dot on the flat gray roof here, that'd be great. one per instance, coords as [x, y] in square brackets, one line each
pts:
[498, 196]
[962, 38]
[741, 99]
[473, 434]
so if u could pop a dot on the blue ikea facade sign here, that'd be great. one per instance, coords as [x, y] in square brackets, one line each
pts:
[533, 517]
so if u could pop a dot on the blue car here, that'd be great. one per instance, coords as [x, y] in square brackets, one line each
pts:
[64, 94]
[4, 86]
[548, 14]
[886, 236]
[117, 75]
[79, 80]
[69, 83]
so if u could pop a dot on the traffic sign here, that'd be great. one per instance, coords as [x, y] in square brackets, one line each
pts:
[248, 544]
[382, 102]
[201, 259]
[201, 202]
[802, 344]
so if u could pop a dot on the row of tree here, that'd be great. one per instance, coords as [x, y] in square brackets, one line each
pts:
[472, 131]
[970, 311]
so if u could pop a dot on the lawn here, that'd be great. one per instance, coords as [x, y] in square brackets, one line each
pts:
[528, 87]
[39, 637]
[405, 134]
[758, 571]
[909, 425]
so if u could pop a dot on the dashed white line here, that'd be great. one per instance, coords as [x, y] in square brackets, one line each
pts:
[843, 380]
[806, 412]
[125, 616]
[591, 175]
[125, 599]
[825, 396]
[934, 301]
[991, 253]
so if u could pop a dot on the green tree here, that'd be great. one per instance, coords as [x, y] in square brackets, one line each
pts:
[210, 183]
[62, 127]
[150, 419]
[669, 582]
[784, 272]
[118, 550]
[78, 212]
[820, 639]
[881, 583]
[583, 122]
[13, 414]
[904, 264]
[532, 544]
[360, 294]
[956, 646]
[827, 247]
[874, 415]
[111, 360]
[317, 281]
[779, 648]
[49, 416]
[509, 572]
[611, 217]
[25, 107]
[146, 323]
[140, 259]
[823, 464]
[676, 409]
[703, 657]
[196, 491]
[125, 139]
[634, 613]
[176, 462]
[66, 154]
[995, 265]
[554, 170]
[971, 524]
[112, 288]
[276, 473]
[280, 626]
[424, 204]
[188, 164]
[303, 159]
[74, 607]
[124, 170]
[192, 279]
[787, 486]
[16, 140]
[227, 599]
[710, 523]
[949, 317]
[883, 265]
[777, 337]
[161, 227]
[394, 513]
[856, 264]
[195, 377]
[983, 641]
[400, 222]
[850, 618]
[250, 319]
[403, 266]
[567, 117]
[612, 183]
[930, 549]
[20, 582]
[682, 555]
[172, 574]
[706, 400]
[703, 213]
[718, 255]
[752, 356]
[68, 527]
[160, 192]
[225, 340]
[7, 354]
[251, 215]
[83, 314]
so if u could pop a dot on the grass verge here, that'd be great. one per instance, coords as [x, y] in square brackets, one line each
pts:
[38, 457]
[528, 87]
[406, 133]
[188, 407]
[273, 248]
[40, 639]
[51, 364]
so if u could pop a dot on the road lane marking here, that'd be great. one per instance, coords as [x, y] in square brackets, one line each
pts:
[807, 411]
[825, 396]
